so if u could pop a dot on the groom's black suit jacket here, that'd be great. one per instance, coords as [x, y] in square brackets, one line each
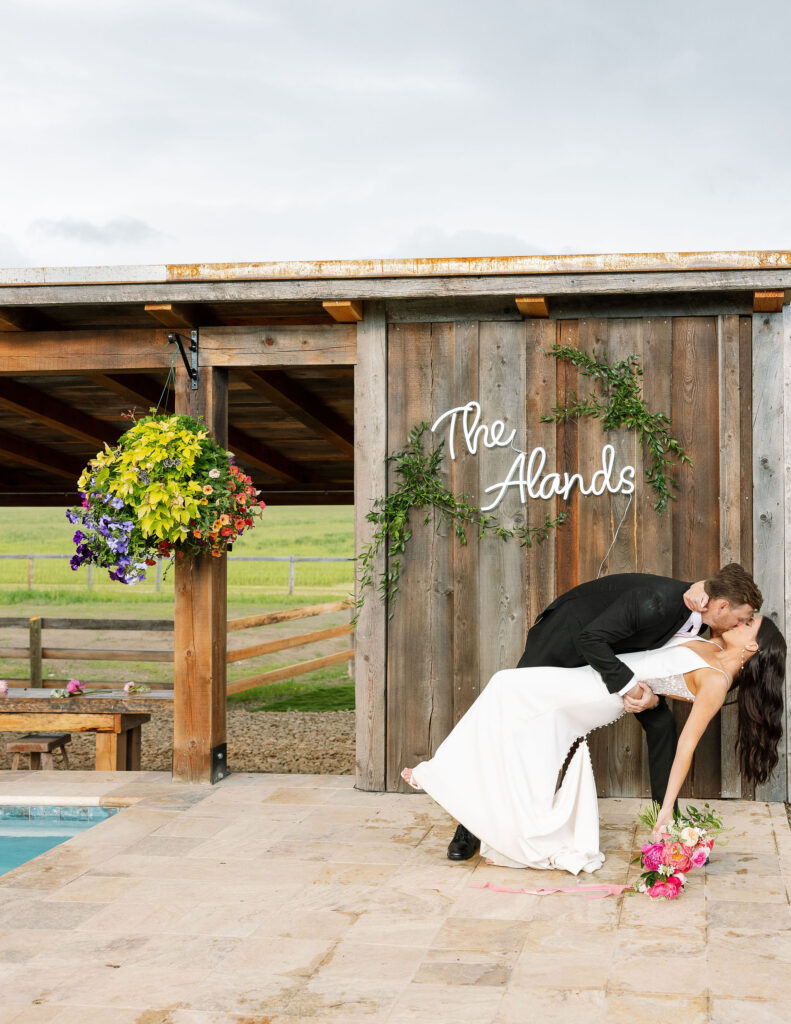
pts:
[595, 621]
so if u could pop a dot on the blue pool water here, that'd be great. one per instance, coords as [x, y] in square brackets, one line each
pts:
[25, 832]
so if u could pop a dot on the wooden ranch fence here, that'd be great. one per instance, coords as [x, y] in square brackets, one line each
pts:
[36, 653]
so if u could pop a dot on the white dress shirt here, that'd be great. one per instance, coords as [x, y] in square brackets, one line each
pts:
[690, 628]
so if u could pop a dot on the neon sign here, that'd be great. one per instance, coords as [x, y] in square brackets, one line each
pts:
[527, 470]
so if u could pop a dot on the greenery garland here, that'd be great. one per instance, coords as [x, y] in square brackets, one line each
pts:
[419, 486]
[622, 406]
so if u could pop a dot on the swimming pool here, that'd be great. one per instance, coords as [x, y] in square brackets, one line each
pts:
[27, 831]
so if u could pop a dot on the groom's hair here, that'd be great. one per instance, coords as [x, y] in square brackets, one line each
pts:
[735, 585]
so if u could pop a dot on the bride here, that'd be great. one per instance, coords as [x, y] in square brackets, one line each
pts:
[497, 771]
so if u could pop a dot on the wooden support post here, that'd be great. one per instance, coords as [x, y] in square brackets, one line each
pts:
[769, 546]
[34, 648]
[370, 482]
[199, 750]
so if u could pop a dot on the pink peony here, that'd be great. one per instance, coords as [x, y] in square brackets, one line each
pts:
[699, 856]
[75, 686]
[676, 855]
[668, 888]
[652, 856]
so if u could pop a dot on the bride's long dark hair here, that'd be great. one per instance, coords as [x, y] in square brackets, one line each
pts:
[760, 703]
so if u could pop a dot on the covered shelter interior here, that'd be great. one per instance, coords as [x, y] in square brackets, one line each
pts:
[291, 428]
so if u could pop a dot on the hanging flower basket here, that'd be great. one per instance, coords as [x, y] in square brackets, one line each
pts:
[166, 489]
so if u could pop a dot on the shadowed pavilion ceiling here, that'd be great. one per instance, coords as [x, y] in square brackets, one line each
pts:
[291, 429]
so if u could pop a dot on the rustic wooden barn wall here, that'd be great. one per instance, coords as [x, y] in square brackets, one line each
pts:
[463, 611]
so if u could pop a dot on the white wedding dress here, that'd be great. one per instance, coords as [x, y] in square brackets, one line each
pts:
[497, 771]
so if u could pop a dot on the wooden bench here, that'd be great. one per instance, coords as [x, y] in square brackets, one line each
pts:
[41, 748]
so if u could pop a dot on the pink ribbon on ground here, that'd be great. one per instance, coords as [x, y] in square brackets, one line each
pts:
[591, 892]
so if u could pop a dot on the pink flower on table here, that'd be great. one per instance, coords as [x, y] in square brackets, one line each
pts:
[668, 888]
[699, 856]
[652, 855]
[75, 686]
[676, 856]
[3, 688]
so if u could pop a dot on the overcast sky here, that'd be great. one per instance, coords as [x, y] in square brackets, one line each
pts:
[150, 131]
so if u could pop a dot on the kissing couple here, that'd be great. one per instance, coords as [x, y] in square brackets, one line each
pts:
[619, 645]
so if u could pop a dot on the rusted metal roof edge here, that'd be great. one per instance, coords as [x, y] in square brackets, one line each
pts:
[389, 268]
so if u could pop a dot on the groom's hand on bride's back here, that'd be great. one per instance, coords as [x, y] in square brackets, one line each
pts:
[640, 698]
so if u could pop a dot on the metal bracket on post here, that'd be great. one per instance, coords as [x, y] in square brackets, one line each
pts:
[191, 364]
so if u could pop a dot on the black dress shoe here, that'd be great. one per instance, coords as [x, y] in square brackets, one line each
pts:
[463, 845]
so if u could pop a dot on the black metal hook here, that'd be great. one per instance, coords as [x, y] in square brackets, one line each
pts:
[190, 365]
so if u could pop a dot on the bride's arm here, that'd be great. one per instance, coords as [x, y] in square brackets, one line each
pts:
[711, 691]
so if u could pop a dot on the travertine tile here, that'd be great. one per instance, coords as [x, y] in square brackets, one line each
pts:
[642, 974]
[445, 1004]
[630, 1008]
[748, 1011]
[552, 1006]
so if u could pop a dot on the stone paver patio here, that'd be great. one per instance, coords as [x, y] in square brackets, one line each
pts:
[272, 899]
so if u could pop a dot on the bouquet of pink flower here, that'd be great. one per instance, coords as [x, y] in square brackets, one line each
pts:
[684, 844]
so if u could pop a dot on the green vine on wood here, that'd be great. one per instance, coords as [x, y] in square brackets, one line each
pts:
[419, 486]
[622, 406]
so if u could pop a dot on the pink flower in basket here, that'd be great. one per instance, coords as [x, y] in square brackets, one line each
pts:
[676, 855]
[652, 856]
[75, 686]
[669, 888]
[699, 856]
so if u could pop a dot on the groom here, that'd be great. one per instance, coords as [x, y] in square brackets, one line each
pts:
[631, 612]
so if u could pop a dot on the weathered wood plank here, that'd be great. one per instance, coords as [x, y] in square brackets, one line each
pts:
[594, 518]
[464, 478]
[696, 544]
[655, 532]
[55, 721]
[35, 652]
[563, 281]
[286, 643]
[200, 615]
[418, 672]
[501, 586]
[568, 540]
[370, 483]
[769, 471]
[287, 615]
[330, 345]
[746, 437]
[32, 353]
[731, 475]
[785, 751]
[102, 654]
[288, 671]
[625, 738]
[540, 395]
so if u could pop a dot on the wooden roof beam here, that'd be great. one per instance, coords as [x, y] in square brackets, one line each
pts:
[35, 405]
[255, 453]
[175, 315]
[534, 306]
[137, 388]
[289, 396]
[768, 302]
[10, 320]
[345, 311]
[30, 453]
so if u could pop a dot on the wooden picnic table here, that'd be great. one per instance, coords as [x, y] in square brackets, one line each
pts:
[116, 718]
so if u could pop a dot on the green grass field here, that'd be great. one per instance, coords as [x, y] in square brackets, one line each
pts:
[252, 587]
[319, 531]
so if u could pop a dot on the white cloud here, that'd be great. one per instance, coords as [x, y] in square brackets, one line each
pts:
[265, 129]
